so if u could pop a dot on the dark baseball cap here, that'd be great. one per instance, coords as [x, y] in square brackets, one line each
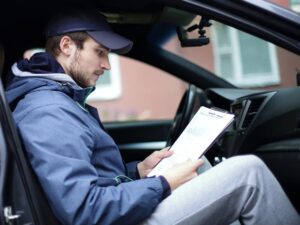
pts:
[92, 22]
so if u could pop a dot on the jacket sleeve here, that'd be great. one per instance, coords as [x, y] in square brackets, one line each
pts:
[59, 147]
[132, 170]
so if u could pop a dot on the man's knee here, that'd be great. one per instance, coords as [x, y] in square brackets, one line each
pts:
[248, 162]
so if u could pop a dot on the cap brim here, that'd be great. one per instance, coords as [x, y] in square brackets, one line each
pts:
[113, 41]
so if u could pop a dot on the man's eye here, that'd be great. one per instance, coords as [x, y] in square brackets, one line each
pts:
[100, 53]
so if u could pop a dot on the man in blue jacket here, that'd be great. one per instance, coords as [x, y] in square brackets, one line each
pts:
[79, 165]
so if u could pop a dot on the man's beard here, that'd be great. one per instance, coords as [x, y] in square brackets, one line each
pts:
[78, 76]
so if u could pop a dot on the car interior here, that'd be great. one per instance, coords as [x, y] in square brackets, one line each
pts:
[267, 122]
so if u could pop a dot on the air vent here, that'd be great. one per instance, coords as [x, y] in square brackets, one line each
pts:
[253, 108]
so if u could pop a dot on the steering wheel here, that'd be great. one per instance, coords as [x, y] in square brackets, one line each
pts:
[189, 104]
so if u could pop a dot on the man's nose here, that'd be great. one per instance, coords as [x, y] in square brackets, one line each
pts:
[106, 64]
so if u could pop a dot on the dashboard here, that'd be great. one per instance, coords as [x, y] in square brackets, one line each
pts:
[264, 120]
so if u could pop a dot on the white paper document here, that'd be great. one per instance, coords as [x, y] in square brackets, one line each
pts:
[206, 125]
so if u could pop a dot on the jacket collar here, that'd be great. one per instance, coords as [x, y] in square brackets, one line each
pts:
[45, 72]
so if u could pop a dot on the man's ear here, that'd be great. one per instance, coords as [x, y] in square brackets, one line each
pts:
[66, 45]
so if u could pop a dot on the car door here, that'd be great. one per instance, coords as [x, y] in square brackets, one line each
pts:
[22, 200]
[14, 201]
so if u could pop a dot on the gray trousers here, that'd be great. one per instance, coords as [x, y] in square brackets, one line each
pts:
[241, 188]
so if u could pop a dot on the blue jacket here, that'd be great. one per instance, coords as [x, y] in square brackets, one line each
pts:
[78, 164]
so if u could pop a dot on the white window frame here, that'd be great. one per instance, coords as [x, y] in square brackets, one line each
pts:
[104, 92]
[259, 80]
[295, 6]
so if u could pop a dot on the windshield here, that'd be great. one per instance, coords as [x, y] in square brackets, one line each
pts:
[240, 58]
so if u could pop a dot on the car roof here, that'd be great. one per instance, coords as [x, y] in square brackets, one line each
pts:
[25, 20]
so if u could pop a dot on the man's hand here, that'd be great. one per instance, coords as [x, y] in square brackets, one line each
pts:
[181, 173]
[152, 160]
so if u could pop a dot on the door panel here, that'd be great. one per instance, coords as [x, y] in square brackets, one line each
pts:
[13, 192]
[21, 189]
[138, 139]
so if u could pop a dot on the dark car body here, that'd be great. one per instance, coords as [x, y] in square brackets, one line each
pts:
[267, 122]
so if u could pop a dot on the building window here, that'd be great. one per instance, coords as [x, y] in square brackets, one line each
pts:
[295, 5]
[108, 86]
[242, 59]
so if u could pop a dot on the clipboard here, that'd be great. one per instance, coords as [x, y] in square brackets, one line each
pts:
[203, 130]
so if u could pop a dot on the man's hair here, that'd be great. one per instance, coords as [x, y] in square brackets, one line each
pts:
[52, 44]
